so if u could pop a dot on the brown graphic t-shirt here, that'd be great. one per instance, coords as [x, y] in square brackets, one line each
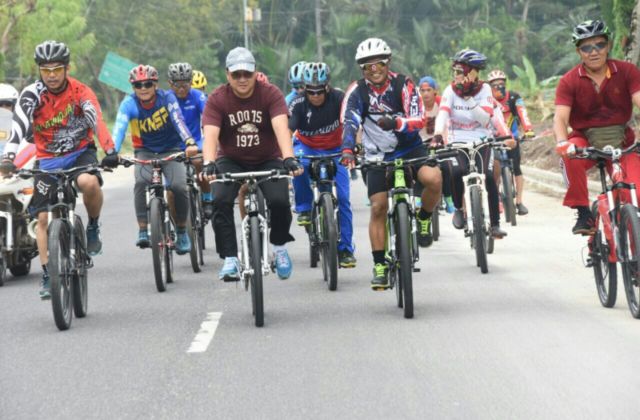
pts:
[246, 134]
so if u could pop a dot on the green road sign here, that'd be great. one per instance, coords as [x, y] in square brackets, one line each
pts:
[115, 72]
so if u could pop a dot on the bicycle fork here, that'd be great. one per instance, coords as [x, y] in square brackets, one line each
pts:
[473, 180]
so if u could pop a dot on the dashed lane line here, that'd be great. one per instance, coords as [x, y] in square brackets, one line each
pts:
[204, 336]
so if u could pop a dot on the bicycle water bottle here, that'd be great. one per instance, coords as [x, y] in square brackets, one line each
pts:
[323, 172]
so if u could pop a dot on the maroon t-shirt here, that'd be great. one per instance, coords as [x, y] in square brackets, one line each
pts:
[246, 134]
[612, 105]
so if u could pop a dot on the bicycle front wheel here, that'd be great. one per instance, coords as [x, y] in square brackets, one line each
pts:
[435, 222]
[328, 241]
[508, 196]
[403, 248]
[80, 291]
[60, 273]
[158, 243]
[479, 229]
[604, 272]
[192, 230]
[255, 256]
[630, 247]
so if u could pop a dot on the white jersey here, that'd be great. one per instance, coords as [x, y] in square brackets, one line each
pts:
[468, 119]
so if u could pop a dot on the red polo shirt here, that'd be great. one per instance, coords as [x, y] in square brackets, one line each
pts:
[610, 106]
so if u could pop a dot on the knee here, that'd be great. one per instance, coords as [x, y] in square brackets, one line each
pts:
[88, 184]
[378, 209]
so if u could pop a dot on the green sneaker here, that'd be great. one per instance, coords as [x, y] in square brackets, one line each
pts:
[425, 238]
[304, 218]
[346, 259]
[380, 279]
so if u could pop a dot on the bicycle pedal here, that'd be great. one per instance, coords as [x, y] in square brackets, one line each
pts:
[229, 279]
[416, 269]
[89, 262]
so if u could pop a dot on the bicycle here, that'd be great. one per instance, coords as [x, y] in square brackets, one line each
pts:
[478, 230]
[324, 230]
[197, 222]
[508, 180]
[162, 235]
[401, 243]
[617, 229]
[254, 243]
[67, 246]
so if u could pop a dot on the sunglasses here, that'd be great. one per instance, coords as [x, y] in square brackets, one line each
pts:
[181, 85]
[47, 71]
[139, 85]
[298, 87]
[498, 86]
[587, 49]
[373, 66]
[315, 92]
[241, 74]
[458, 72]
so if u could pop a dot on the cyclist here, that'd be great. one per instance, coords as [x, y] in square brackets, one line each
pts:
[63, 115]
[199, 81]
[315, 121]
[388, 107]
[158, 130]
[8, 99]
[296, 81]
[596, 100]
[467, 109]
[245, 129]
[192, 102]
[514, 113]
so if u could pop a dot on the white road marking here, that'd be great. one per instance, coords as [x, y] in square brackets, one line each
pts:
[204, 336]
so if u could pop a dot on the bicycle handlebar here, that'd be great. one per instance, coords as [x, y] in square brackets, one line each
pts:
[127, 161]
[320, 157]
[608, 152]
[241, 177]
[29, 173]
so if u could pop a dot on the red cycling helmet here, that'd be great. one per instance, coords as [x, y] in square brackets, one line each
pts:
[143, 72]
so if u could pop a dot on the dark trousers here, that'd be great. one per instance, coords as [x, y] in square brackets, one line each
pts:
[275, 192]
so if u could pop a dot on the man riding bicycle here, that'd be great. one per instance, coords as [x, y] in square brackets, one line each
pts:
[192, 102]
[199, 81]
[596, 100]
[315, 120]
[158, 130]
[514, 113]
[245, 129]
[388, 107]
[64, 115]
[296, 81]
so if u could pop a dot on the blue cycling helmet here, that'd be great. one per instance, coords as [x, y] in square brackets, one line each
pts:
[295, 73]
[471, 58]
[316, 74]
[428, 80]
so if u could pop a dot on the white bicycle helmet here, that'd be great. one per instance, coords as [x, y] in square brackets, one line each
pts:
[8, 93]
[496, 75]
[372, 47]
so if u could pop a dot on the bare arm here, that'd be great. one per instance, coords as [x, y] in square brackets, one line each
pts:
[635, 98]
[210, 144]
[561, 121]
[280, 126]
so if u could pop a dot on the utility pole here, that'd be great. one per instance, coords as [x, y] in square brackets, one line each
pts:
[244, 17]
[319, 31]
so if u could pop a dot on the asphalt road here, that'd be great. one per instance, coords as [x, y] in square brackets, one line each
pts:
[527, 340]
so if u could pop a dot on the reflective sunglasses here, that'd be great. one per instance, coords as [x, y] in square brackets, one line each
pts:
[588, 48]
[182, 84]
[139, 85]
[241, 74]
[315, 92]
[498, 86]
[56, 71]
[372, 66]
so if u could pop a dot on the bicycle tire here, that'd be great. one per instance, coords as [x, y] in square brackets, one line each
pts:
[255, 256]
[59, 273]
[508, 196]
[479, 229]
[80, 276]
[630, 247]
[170, 238]
[3, 268]
[435, 222]
[158, 243]
[405, 260]
[192, 230]
[328, 241]
[490, 244]
[312, 233]
[604, 271]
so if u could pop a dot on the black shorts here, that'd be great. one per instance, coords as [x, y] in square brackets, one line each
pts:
[376, 178]
[44, 186]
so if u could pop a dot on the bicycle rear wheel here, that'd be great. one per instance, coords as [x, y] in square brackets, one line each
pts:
[255, 256]
[604, 272]
[192, 230]
[479, 229]
[435, 222]
[158, 243]
[80, 291]
[328, 240]
[60, 273]
[405, 260]
[630, 249]
[508, 196]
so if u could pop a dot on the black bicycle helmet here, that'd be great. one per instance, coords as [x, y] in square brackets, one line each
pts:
[589, 29]
[52, 52]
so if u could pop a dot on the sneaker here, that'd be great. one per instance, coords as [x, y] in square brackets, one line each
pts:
[45, 287]
[497, 233]
[380, 279]
[230, 270]
[304, 218]
[183, 243]
[143, 239]
[458, 219]
[425, 238]
[448, 200]
[585, 225]
[283, 264]
[346, 259]
[94, 241]
[522, 210]
[207, 209]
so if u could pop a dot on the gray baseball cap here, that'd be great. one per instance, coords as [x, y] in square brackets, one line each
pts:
[240, 58]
